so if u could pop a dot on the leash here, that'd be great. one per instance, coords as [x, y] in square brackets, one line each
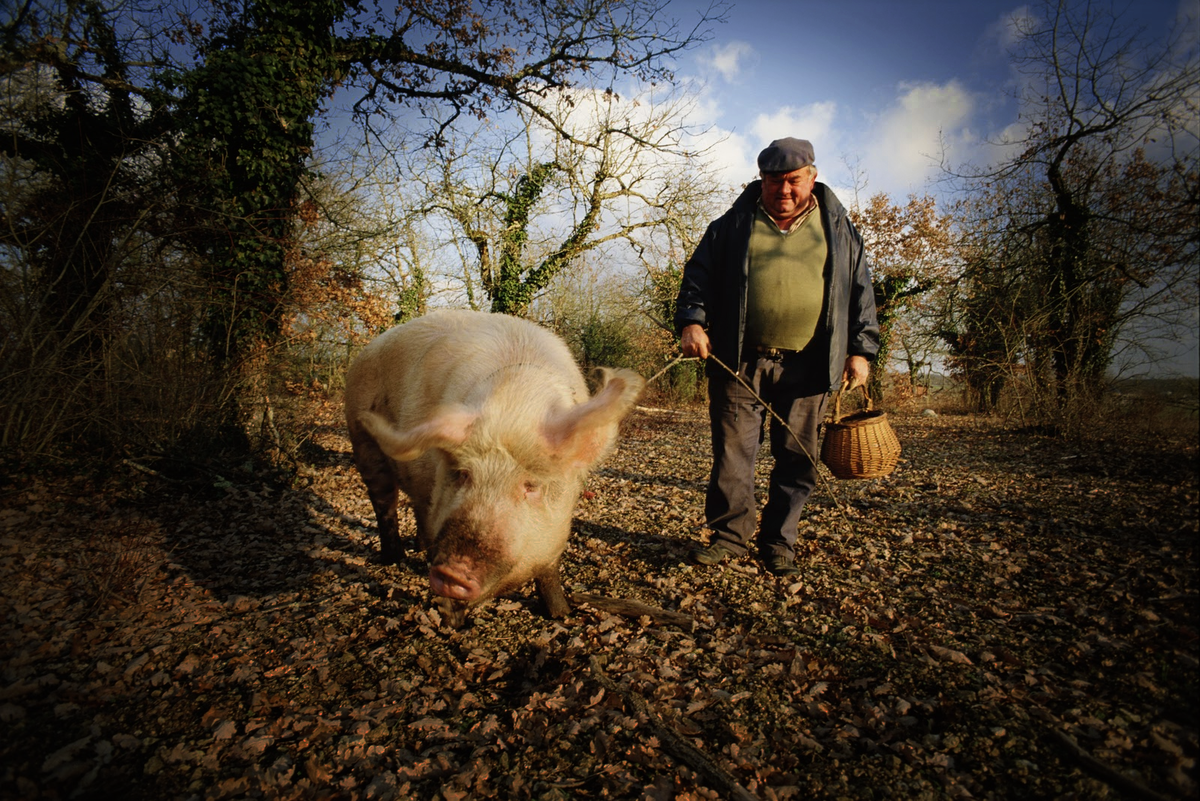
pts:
[828, 485]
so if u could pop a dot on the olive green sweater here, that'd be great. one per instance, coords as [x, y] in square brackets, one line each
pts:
[786, 282]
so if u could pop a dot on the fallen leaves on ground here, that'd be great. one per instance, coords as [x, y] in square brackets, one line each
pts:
[958, 626]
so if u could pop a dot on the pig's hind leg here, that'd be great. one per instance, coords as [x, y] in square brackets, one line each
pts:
[383, 490]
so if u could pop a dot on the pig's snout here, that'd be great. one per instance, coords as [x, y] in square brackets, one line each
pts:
[454, 581]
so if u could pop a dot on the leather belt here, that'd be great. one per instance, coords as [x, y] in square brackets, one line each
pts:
[773, 353]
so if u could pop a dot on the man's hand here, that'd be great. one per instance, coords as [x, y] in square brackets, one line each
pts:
[694, 340]
[856, 372]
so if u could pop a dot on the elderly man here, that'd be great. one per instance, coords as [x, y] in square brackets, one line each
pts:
[778, 290]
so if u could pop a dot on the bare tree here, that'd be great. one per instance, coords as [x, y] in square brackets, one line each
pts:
[184, 134]
[1088, 227]
[532, 203]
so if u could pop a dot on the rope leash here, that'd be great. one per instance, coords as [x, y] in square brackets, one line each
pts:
[828, 485]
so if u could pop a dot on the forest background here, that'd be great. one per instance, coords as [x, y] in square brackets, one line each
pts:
[178, 266]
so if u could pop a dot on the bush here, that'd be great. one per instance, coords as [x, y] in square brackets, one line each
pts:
[601, 342]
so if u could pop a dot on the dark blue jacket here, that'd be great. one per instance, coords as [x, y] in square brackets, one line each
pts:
[713, 290]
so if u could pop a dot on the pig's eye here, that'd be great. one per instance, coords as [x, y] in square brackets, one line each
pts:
[533, 490]
[462, 477]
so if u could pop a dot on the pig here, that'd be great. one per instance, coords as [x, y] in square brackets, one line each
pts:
[485, 422]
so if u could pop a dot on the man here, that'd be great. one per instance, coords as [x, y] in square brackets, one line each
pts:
[778, 290]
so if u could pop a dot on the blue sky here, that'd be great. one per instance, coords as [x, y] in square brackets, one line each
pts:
[869, 82]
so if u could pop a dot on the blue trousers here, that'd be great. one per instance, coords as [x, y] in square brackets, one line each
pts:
[737, 420]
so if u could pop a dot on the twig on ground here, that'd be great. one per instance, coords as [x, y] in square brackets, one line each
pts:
[147, 470]
[635, 609]
[675, 744]
[1103, 771]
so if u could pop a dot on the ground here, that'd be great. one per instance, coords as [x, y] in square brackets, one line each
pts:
[1006, 616]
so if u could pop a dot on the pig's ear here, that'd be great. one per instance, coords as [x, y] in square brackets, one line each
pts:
[447, 428]
[583, 434]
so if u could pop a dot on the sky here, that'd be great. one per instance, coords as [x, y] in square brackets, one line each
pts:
[875, 85]
[872, 84]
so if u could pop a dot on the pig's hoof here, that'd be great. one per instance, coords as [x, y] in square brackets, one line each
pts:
[390, 553]
[455, 584]
[557, 610]
[454, 613]
[391, 557]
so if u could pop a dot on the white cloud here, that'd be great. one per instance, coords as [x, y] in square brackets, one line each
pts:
[730, 59]
[816, 122]
[734, 155]
[727, 153]
[813, 122]
[905, 145]
[1007, 29]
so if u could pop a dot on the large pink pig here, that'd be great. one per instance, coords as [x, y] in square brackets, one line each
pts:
[484, 421]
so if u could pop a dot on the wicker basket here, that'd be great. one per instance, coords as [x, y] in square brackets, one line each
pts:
[859, 445]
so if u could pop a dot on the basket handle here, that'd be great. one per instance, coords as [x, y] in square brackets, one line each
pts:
[837, 400]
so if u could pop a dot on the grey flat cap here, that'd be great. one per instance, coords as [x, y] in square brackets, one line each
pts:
[785, 155]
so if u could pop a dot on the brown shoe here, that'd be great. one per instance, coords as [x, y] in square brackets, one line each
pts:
[782, 566]
[712, 555]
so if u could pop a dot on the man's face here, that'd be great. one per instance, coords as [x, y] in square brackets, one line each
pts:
[786, 194]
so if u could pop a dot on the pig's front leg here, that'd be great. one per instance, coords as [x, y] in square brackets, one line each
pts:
[390, 551]
[382, 489]
[549, 585]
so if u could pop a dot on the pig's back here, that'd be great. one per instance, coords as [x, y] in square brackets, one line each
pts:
[459, 357]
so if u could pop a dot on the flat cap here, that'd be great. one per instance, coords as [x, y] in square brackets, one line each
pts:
[785, 155]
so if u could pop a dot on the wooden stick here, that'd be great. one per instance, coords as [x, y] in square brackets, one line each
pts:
[1104, 771]
[674, 743]
[628, 608]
